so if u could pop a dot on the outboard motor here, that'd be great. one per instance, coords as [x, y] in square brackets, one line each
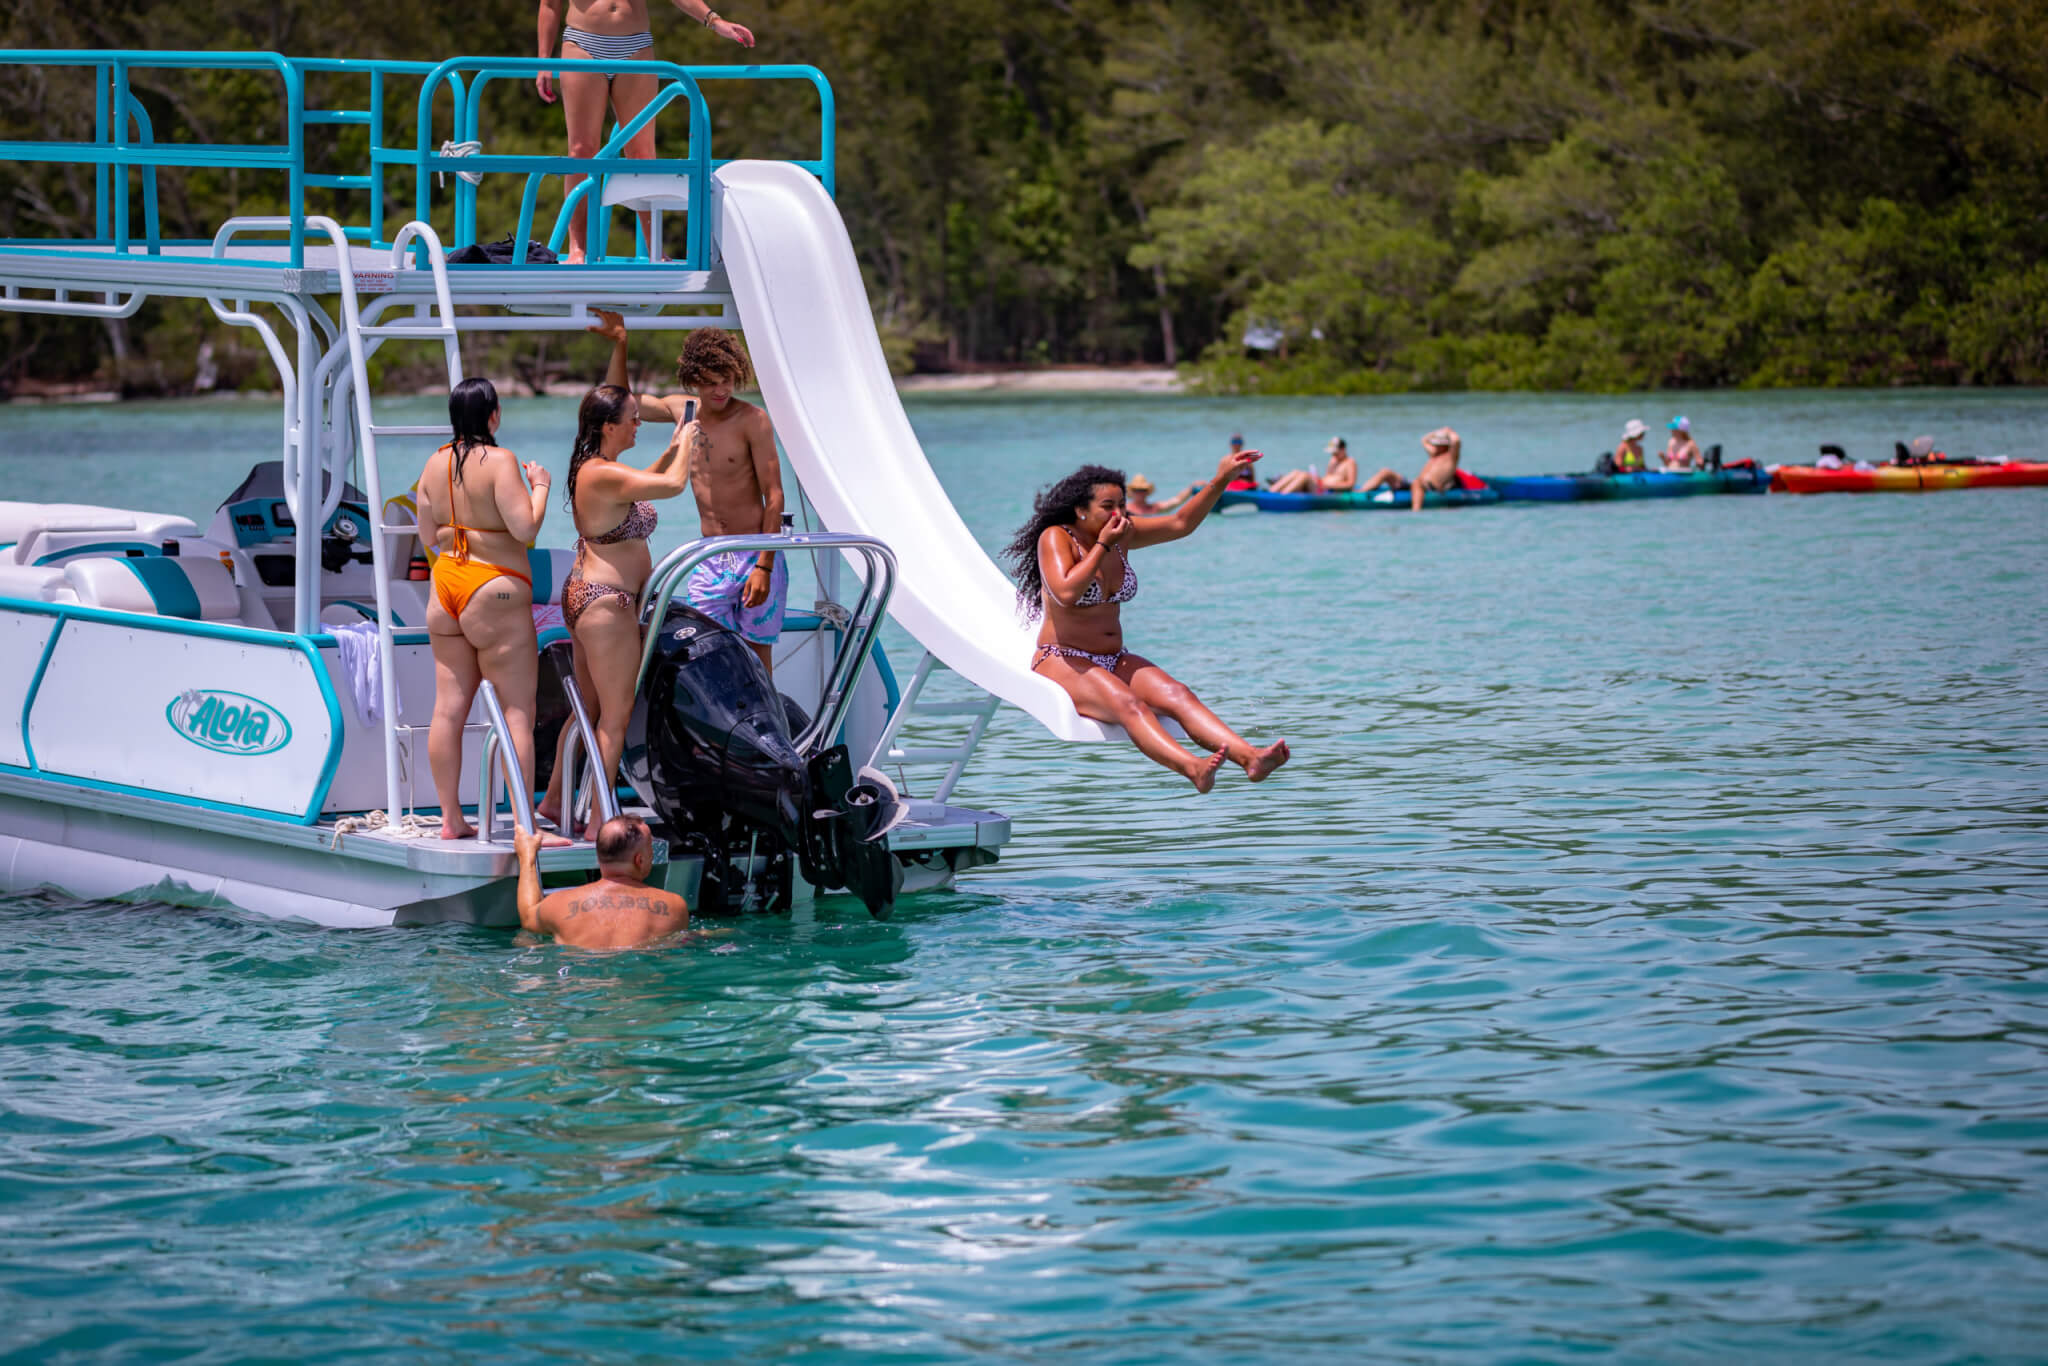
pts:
[710, 748]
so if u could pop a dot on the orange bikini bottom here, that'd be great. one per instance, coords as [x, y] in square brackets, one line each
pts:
[457, 581]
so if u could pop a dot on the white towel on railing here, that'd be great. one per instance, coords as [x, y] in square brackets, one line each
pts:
[460, 149]
[357, 642]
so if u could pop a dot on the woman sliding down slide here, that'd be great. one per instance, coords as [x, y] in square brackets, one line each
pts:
[1072, 562]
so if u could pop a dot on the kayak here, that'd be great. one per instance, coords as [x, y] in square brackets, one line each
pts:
[1572, 488]
[1908, 478]
[1379, 500]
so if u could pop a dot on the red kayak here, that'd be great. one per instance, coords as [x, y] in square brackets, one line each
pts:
[1928, 478]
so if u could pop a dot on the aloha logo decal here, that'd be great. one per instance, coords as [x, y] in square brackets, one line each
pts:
[228, 722]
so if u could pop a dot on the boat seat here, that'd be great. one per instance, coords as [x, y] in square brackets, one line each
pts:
[34, 583]
[652, 193]
[188, 586]
[51, 533]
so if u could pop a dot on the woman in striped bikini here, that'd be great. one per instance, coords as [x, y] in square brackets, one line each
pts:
[609, 31]
[1073, 567]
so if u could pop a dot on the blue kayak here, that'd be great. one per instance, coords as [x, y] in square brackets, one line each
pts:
[1379, 500]
[1572, 488]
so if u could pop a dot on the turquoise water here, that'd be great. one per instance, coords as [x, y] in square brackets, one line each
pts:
[1643, 958]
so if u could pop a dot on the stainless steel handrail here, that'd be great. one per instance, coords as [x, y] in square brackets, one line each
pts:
[863, 629]
[498, 744]
[581, 739]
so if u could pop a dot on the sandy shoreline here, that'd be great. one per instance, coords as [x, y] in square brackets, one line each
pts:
[1058, 380]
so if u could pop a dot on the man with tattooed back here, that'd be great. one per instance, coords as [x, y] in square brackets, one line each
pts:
[619, 910]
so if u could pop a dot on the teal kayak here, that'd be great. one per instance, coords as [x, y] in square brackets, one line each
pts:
[1379, 500]
[1572, 488]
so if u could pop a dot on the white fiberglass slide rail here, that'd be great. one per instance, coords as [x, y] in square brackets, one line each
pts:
[812, 337]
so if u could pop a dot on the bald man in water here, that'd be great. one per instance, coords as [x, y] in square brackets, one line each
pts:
[619, 910]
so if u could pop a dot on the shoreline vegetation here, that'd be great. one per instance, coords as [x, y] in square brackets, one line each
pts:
[1302, 197]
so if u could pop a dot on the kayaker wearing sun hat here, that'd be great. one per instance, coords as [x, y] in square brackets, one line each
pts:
[1681, 452]
[1440, 471]
[1340, 477]
[1628, 456]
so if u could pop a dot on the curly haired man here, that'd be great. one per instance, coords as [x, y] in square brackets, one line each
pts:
[730, 451]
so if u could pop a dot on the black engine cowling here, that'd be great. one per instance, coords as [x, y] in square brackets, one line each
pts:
[710, 748]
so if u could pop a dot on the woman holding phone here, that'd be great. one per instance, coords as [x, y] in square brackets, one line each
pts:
[1073, 567]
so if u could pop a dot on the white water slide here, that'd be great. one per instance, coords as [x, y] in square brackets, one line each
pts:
[820, 364]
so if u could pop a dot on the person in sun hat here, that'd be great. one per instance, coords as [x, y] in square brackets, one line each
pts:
[1439, 472]
[1681, 452]
[1341, 476]
[1141, 503]
[1138, 496]
[1628, 456]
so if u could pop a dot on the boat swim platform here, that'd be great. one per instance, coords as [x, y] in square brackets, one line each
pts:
[105, 844]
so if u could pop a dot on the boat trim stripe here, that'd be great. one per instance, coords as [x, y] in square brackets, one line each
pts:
[168, 587]
[308, 646]
[28, 703]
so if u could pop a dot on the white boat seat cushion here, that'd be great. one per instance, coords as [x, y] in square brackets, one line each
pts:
[188, 586]
[45, 533]
[44, 584]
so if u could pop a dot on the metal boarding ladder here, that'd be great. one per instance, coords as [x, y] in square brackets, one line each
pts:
[913, 707]
[433, 320]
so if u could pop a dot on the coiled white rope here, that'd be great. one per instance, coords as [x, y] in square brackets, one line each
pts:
[410, 826]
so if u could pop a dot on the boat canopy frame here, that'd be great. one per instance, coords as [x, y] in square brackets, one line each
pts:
[125, 144]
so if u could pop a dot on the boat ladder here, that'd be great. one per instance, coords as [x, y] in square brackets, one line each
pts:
[915, 707]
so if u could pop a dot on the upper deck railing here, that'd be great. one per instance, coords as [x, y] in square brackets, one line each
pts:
[124, 147]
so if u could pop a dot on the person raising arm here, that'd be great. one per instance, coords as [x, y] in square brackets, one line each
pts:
[612, 506]
[1073, 566]
[614, 32]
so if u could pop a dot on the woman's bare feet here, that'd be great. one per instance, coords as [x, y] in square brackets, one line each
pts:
[458, 829]
[1264, 761]
[1204, 777]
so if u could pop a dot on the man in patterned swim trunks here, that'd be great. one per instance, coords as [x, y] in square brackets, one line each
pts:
[737, 478]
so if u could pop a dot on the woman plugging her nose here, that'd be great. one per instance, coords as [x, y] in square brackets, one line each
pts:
[1073, 567]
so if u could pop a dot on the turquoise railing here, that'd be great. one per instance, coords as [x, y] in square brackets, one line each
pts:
[124, 142]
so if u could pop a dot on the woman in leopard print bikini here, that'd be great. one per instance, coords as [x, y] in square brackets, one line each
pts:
[601, 596]
[1073, 567]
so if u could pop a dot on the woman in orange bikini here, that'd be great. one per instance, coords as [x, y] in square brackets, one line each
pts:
[610, 503]
[480, 514]
[1073, 566]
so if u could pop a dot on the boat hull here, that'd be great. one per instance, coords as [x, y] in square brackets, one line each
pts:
[1578, 488]
[115, 848]
[1908, 478]
[1380, 500]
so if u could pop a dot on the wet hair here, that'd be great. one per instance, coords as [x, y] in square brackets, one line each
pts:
[470, 405]
[619, 838]
[602, 406]
[711, 354]
[1054, 506]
